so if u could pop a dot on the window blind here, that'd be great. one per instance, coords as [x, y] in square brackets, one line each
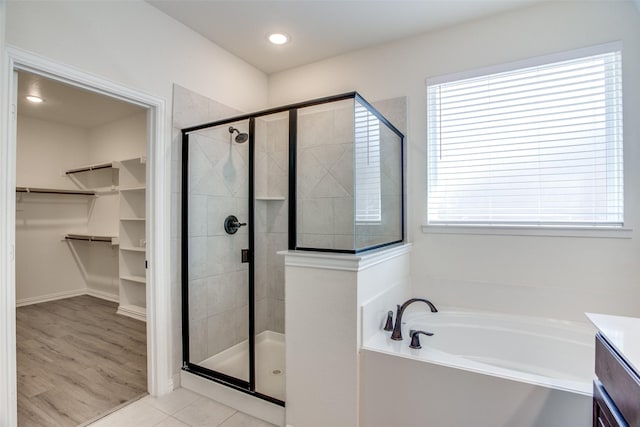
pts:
[533, 146]
[367, 165]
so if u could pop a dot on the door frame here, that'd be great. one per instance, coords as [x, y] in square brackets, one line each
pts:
[158, 290]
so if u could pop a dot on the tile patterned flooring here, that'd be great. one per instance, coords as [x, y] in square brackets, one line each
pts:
[180, 408]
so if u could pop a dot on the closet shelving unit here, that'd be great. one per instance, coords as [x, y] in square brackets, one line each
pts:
[61, 191]
[91, 238]
[132, 257]
[131, 238]
[90, 168]
[35, 190]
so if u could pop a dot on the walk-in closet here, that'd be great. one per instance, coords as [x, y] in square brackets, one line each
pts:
[80, 252]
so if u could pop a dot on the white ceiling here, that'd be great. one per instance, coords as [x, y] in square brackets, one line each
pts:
[69, 105]
[319, 28]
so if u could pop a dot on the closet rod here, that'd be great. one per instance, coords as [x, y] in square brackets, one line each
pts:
[90, 168]
[54, 191]
[89, 238]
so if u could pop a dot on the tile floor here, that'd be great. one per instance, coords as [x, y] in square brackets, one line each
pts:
[180, 408]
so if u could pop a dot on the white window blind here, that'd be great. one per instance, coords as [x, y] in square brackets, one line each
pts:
[367, 165]
[534, 146]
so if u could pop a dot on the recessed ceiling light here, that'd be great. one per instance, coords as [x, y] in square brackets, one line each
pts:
[278, 38]
[34, 99]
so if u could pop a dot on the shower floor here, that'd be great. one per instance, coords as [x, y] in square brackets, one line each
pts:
[270, 373]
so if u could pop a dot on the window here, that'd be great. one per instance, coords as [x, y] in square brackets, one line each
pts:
[539, 145]
[367, 165]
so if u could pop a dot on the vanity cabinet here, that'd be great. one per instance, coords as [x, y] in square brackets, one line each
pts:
[616, 390]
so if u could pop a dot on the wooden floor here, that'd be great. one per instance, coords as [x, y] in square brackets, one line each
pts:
[77, 359]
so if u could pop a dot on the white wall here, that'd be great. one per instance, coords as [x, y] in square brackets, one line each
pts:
[45, 263]
[136, 45]
[45, 150]
[550, 276]
[120, 140]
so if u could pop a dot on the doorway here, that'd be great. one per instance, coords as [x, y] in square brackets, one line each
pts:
[159, 380]
[80, 218]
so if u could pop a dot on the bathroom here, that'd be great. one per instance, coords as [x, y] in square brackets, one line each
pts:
[547, 275]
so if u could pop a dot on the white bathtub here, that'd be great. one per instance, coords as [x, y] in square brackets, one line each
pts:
[479, 369]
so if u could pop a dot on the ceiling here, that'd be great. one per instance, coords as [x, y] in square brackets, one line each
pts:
[69, 105]
[319, 29]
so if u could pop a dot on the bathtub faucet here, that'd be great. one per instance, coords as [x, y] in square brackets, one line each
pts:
[397, 328]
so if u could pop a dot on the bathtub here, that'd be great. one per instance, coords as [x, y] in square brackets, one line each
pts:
[478, 369]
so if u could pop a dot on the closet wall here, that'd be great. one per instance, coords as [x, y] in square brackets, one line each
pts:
[47, 266]
[44, 264]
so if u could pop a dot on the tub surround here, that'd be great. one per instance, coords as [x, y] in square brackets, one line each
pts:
[539, 351]
[323, 296]
[504, 370]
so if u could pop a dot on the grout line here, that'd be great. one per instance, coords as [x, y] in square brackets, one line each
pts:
[227, 419]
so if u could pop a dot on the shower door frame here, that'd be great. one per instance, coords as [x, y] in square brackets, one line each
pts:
[249, 387]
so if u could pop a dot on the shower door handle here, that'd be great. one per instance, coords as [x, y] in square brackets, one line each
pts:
[245, 255]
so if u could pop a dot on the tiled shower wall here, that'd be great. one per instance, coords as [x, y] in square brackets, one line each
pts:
[389, 228]
[218, 289]
[325, 176]
[271, 209]
[218, 280]
[218, 286]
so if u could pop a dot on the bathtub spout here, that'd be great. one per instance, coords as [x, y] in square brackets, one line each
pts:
[397, 328]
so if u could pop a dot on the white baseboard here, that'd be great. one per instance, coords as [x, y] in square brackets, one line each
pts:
[66, 294]
[50, 297]
[133, 311]
[103, 295]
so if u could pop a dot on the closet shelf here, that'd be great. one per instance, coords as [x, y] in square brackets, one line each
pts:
[92, 238]
[88, 168]
[132, 219]
[132, 249]
[132, 278]
[54, 191]
[140, 188]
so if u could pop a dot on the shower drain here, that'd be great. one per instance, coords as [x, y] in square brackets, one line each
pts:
[276, 372]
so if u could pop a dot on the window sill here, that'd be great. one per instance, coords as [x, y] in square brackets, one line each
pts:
[506, 230]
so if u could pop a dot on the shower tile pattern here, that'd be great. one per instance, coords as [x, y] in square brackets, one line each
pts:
[218, 280]
[271, 208]
[325, 182]
[218, 286]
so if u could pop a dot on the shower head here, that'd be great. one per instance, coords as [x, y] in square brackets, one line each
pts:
[240, 137]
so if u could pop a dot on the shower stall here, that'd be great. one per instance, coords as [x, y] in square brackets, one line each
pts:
[323, 175]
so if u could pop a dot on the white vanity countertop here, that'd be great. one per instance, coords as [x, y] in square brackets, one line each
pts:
[623, 333]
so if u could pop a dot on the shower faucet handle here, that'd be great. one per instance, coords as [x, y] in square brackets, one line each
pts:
[231, 224]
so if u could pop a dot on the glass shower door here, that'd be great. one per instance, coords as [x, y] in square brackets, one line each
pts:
[216, 167]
